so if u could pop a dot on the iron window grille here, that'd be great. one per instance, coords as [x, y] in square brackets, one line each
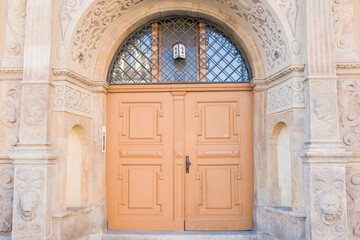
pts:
[146, 54]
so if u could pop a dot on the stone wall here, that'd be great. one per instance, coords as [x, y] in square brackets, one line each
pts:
[304, 57]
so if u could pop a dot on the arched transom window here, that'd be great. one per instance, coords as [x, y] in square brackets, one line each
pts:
[178, 50]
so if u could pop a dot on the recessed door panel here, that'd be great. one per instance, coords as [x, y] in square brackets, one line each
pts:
[219, 185]
[140, 161]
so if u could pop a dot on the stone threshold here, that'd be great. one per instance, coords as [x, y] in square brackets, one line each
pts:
[180, 235]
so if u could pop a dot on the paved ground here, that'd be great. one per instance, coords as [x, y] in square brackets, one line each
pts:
[174, 235]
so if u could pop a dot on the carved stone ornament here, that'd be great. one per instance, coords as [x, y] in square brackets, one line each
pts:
[94, 25]
[349, 110]
[11, 114]
[6, 199]
[28, 204]
[353, 200]
[323, 100]
[291, 10]
[104, 13]
[34, 112]
[353, 188]
[285, 96]
[29, 186]
[16, 20]
[342, 13]
[67, 10]
[264, 26]
[328, 187]
[71, 98]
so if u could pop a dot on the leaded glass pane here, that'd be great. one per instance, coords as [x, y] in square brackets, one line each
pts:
[146, 56]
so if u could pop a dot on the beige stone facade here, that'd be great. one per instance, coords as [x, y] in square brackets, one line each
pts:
[304, 58]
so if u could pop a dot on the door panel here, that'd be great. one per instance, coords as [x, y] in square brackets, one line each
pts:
[149, 135]
[219, 186]
[140, 161]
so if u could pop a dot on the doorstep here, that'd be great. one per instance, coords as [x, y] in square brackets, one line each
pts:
[180, 235]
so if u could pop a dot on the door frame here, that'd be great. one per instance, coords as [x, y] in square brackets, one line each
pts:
[179, 92]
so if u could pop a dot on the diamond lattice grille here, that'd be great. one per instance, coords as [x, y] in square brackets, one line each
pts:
[146, 56]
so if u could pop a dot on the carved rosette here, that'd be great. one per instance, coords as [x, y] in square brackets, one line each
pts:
[349, 108]
[328, 203]
[323, 95]
[264, 26]
[34, 113]
[11, 114]
[29, 212]
[93, 27]
[73, 99]
[285, 96]
[6, 199]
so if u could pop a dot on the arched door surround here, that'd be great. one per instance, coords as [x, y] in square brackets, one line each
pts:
[179, 152]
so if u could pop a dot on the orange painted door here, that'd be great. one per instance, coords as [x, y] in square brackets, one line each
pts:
[218, 141]
[140, 161]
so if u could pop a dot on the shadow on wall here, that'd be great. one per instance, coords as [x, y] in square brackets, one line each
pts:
[77, 169]
[281, 166]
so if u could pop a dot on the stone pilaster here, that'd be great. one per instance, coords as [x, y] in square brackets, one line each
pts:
[324, 155]
[33, 157]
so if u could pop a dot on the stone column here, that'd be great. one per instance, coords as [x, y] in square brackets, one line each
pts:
[33, 157]
[324, 155]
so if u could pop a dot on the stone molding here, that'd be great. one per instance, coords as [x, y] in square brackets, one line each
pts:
[73, 99]
[279, 77]
[64, 74]
[11, 73]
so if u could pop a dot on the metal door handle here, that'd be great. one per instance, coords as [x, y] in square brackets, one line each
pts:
[188, 163]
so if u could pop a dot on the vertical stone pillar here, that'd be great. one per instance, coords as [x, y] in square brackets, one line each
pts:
[324, 156]
[33, 157]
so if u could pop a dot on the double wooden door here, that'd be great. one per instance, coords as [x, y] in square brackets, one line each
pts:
[150, 136]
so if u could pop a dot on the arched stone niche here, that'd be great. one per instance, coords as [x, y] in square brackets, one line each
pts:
[77, 168]
[281, 166]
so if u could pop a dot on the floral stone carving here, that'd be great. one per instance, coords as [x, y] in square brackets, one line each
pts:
[30, 183]
[285, 96]
[264, 26]
[328, 187]
[342, 13]
[94, 26]
[349, 107]
[16, 19]
[6, 199]
[73, 99]
[11, 113]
